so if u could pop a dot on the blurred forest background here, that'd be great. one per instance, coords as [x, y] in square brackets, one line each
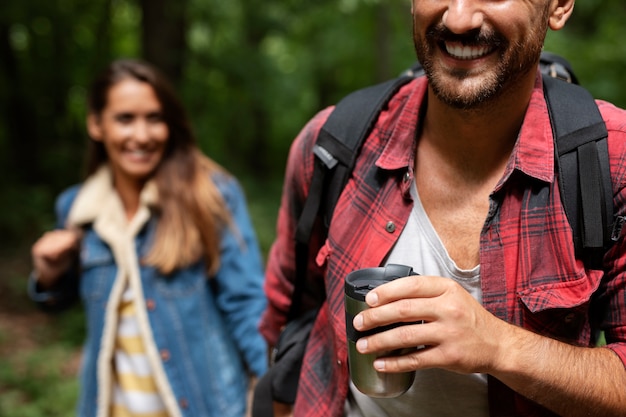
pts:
[251, 73]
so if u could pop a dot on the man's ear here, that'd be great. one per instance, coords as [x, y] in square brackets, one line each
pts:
[93, 127]
[561, 12]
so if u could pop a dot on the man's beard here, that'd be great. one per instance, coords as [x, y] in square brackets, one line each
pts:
[475, 89]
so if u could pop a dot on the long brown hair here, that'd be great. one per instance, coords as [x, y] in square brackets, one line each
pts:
[191, 209]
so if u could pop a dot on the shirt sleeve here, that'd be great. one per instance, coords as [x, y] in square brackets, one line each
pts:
[612, 295]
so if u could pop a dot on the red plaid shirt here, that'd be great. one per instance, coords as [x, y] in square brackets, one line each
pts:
[529, 274]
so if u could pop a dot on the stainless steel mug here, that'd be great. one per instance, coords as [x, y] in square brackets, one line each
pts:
[369, 381]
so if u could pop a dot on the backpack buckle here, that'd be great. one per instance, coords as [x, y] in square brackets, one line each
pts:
[556, 70]
[326, 157]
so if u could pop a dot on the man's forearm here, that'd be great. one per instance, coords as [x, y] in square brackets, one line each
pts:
[569, 380]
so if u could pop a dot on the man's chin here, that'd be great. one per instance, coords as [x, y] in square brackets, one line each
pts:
[465, 93]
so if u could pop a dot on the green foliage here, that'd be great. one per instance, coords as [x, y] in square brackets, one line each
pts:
[29, 212]
[34, 385]
[254, 72]
[591, 41]
[263, 203]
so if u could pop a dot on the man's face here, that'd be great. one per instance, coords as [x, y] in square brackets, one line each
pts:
[473, 50]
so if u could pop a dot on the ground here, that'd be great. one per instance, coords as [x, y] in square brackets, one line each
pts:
[18, 316]
[39, 355]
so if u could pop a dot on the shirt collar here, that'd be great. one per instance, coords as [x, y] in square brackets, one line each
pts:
[406, 105]
[533, 153]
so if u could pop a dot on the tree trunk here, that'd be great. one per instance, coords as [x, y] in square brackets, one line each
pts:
[21, 163]
[163, 36]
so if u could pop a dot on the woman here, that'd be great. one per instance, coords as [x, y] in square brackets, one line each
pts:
[158, 244]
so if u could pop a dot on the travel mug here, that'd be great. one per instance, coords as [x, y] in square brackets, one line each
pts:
[364, 376]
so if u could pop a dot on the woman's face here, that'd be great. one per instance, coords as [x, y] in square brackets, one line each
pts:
[132, 129]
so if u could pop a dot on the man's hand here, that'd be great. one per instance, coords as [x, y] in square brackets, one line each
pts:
[459, 334]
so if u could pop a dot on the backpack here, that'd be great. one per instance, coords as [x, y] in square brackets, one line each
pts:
[581, 156]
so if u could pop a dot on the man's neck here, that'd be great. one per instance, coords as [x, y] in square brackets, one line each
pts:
[461, 156]
[479, 140]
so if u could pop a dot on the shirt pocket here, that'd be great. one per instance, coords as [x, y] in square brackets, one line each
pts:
[561, 310]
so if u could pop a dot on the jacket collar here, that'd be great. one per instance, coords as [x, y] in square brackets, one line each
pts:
[98, 202]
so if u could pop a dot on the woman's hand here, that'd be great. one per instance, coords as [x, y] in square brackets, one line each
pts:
[53, 254]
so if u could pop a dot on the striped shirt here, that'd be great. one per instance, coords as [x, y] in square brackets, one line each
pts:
[135, 393]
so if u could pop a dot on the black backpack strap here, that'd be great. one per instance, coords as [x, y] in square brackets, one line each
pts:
[335, 150]
[583, 167]
[345, 130]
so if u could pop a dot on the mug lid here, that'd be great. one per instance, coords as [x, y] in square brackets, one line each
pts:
[358, 283]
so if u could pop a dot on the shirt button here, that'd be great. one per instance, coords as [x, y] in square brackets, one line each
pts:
[407, 176]
[150, 304]
[183, 403]
[390, 227]
[165, 355]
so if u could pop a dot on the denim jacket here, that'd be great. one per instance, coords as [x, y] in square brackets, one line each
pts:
[204, 331]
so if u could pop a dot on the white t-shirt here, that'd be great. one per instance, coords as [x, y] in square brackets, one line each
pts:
[435, 392]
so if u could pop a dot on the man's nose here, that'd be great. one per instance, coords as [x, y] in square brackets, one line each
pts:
[462, 16]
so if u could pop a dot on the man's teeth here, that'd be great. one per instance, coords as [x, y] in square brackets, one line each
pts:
[466, 52]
